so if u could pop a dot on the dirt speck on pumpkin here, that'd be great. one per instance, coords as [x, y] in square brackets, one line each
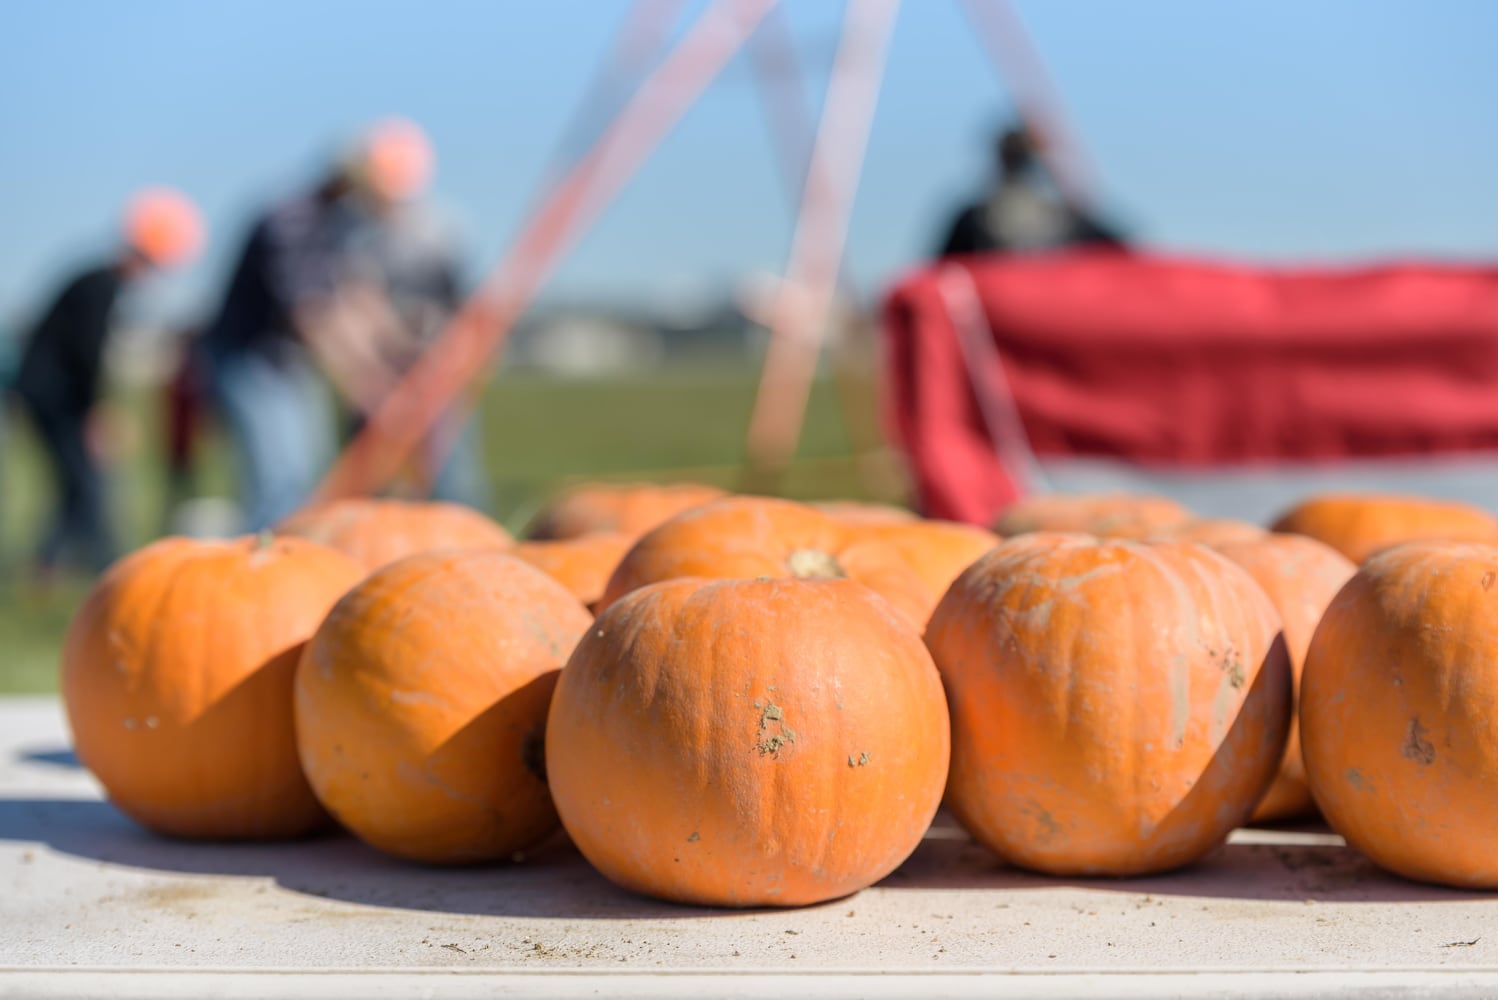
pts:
[1416, 747]
[1487, 580]
[858, 761]
[1232, 667]
[1046, 827]
[694, 837]
[770, 744]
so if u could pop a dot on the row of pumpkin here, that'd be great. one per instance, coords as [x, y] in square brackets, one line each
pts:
[774, 699]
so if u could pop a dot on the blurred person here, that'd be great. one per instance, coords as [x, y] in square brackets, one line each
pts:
[185, 409]
[1023, 210]
[58, 382]
[286, 320]
[404, 267]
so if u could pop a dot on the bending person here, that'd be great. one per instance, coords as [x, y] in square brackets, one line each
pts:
[59, 379]
[286, 319]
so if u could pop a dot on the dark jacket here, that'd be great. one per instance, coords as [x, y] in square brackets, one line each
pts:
[64, 355]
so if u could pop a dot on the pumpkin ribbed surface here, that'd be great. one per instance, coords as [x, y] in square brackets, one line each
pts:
[1397, 712]
[177, 677]
[746, 538]
[421, 705]
[627, 508]
[1117, 707]
[583, 565]
[1300, 576]
[936, 550]
[1358, 525]
[748, 743]
[1127, 514]
[378, 532]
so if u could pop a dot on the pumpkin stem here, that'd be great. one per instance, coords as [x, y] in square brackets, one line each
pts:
[813, 564]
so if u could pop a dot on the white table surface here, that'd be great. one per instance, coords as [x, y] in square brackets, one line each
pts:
[92, 905]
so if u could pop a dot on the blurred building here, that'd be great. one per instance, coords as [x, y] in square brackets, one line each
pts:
[599, 339]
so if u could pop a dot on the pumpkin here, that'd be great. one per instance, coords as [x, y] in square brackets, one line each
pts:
[627, 508]
[421, 705]
[177, 680]
[378, 532]
[1117, 707]
[936, 550]
[1358, 525]
[1397, 707]
[748, 742]
[1095, 514]
[749, 537]
[860, 512]
[582, 565]
[1211, 531]
[1300, 576]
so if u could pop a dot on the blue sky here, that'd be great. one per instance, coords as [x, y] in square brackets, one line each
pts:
[1280, 130]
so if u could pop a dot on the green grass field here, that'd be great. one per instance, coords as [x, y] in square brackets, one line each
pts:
[539, 433]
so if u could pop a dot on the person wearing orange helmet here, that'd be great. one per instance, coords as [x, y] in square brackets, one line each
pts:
[403, 256]
[300, 312]
[58, 382]
[314, 298]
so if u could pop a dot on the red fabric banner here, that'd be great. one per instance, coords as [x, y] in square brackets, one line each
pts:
[1178, 362]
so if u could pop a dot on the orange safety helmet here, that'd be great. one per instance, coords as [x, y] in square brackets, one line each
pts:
[398, 159]
[163, 226]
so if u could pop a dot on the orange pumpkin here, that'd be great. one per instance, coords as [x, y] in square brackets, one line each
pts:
[861, 512]
[1095, 514]
[1300, 576]
[1206, 530]
[378, 532]
[1358, 525]
[750, 537]
[421, 705]
[937, 550]
[748, 742]
[628, 508]
[1117, 707]
[1397, 708]
[583, 565]
[177, 679]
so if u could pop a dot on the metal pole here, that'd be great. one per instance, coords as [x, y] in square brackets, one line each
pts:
[1004, 38]
[462, 354]
[782, 90]
[805, 298]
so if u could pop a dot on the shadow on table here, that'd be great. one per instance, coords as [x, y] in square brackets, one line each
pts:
[61, 757]
[554, 882]
[1287, 871]
[551, 882]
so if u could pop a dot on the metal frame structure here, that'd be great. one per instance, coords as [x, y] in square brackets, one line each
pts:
[450, 372]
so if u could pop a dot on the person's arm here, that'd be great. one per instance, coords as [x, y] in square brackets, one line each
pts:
[344, 333]
[331, 323]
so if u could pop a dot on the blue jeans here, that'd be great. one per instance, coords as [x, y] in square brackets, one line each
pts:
[277, 413]
[80, 522]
